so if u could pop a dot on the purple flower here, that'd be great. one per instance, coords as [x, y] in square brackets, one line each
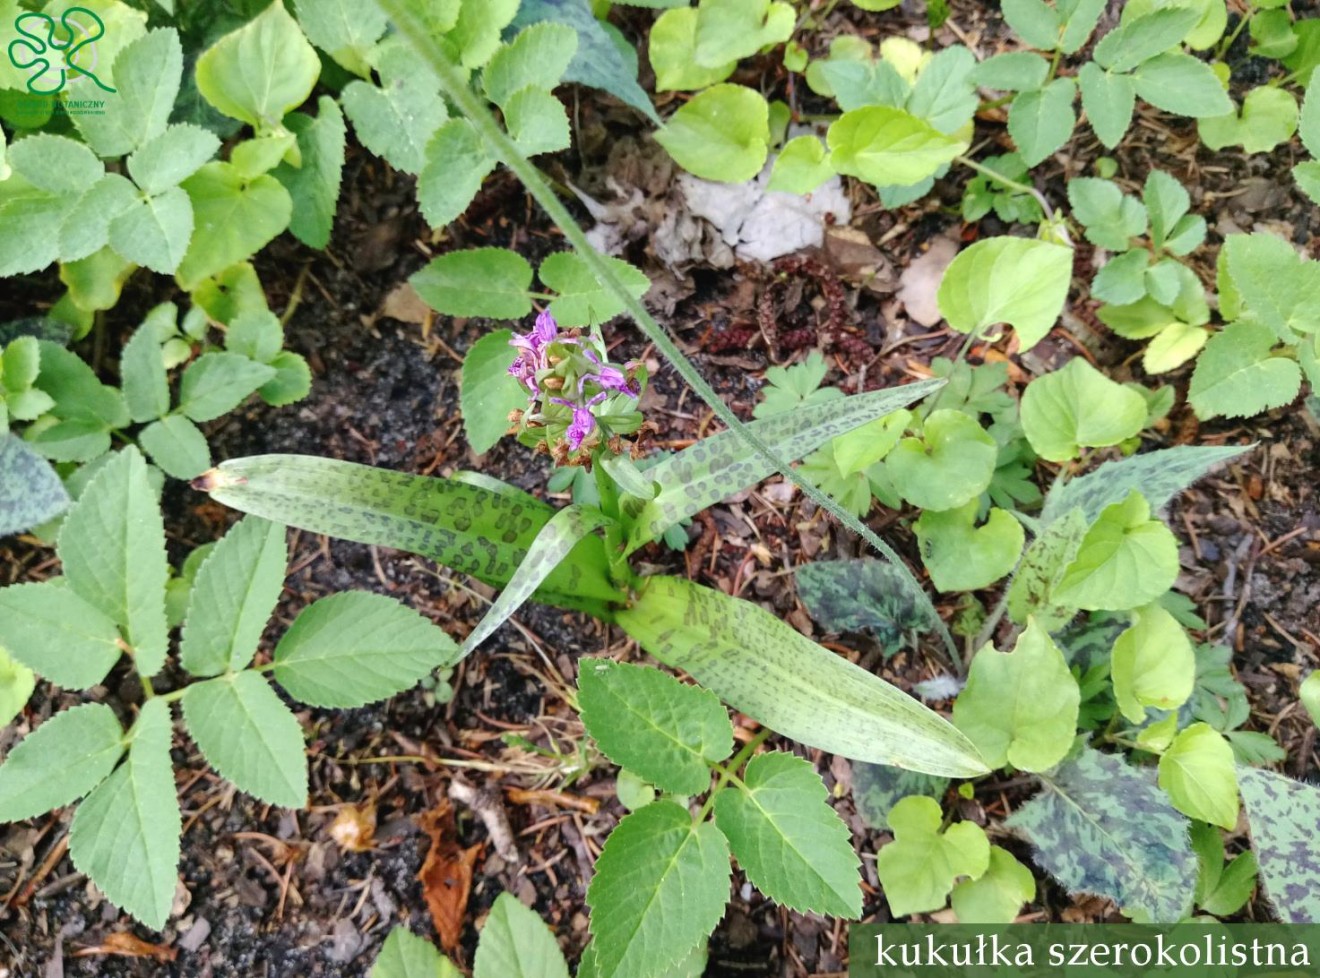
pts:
[607, 377]
[531, 355]
[584, 423]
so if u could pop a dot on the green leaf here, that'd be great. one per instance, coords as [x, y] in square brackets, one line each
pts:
[1041, 122]
[963, 557]
[355, 648]
[1267, 119]
[235, 593]
[314, 186]
[55, 164]
[1167, 202]
[85, 229]
[1020, 708]
[142, 367]
[147, 74]
[516, 944]
[767, 669]
[1109, 100]
[216, 383]
[1174, 346]
[998, 895]
[155, 232]
[30, 490]
[292, 381]
[1308, 123]
[486, 282]
[877, 788]
[718, 466]
[112, 546]
[249, 736]
[1101, 827]
[1282, 817]
[343, 29]
[888, 146]
[722, 134]
[663, 730]
[553, 543]
[1080, 19]
[1112, 218]
[788, 840]
[537, 122]
[1079, 407]
[1152, 665]
[660, 887]
[1016, 71]
[1050, 554]
[1221, 888]
[487, 393]
[944, 94]
[125, 834]
[1309, 694]
[456, 162]
[261, 71]
[1158, 475]
[730, 30]
[399, 118]
[582, 299]
[59, 762]
[1035, 21]
[17, 682]
[852, 595]
[405, 955]
[234, 218]
[1018, 281]
[1197, 772]
[538, 56]
[170, 157]
[1123, 279]
[476, 34]
[951, 463]
[919, 868]
[801, 166]
[469, 528]
[1182, 84]
[1140, 39]
[177, 446]
[1126, 560]
[1273, 284]
[672, 48]
[1237, 377]
[256, 335]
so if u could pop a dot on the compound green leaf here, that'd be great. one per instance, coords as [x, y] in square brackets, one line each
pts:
[889, 147]
[1079, 407]
[1101, 827]
[1019, 281]
[249, 736]
[59, 762]
[456, 162]
[1197, 772]
[1035, 21]
[487, 393]
[1124, 279]
[343, 29]
[234, 218]
[147, 75]
[1141, 38]
[1020, 708]
[234, 594]
[1222, 888]
[30, 490]
[142, 368]
[758, 664]
[959, 555]
[1273, 284]
[951, 463]
[1015, 71]
[944, 94]
[125, 834]
[1080, 19]
[516, 944]
[355, 648]
[1167, 202]
[538, 56]
[1182, 84]
[177, 446]
[85, 229]
[487, 282]
[721, 134]
[1125, 561]
[261, 71]
[292, 381]
[665, 731]
[537, 121]
[1236, 376]
[919, 868]
[1042, 121]
[397, 119]
[216, 383]
[55, 164]
[1112, 218]
[170, 157]
[788, 840]
[997, 896]
[582, 300]
[256, 335]
[1109, 100]
[314, 186]
[1152, 665]
[1309, 121]
[405, 955]
[476, 33]
[155, 232]
[112, 546]
[1282, 814]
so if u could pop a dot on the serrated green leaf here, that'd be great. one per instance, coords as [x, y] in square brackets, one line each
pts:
[1041, 122]
[1017, 281]
[314, 186]
[1181, 84]
[949, 465]
[660, 887]
[582, 300]
[1035, 21]
[30, 217]
[216, 383]
[170, 157]
[235, 593]
[1020, 708]
[405, 955]
[1237, 377]
[1122, 281]
[487, 282]
[85, 229]
[234, 218]
[1197, 772]
[177, 446]
[537, 122]
[355, 648]
[156, 231]
[456, 162]
[1112, 218]
[721, 134]
[292, 381]
[1101, 827]
[256, 334]
[147, 75]
[516, 944]
[997, 896]
[1141, 38]
[59, 762]
[1282, 814]
[944, 94]
[788, 840]
[125, 834]
[1079, 407]
[961, 556]
[1273, 284]
[487, 393]
[142, 367]
[1014, 71]
[1125, 560]
[112, 546]
[397, 119]
[1109, 100]
[919, 868]
[249, 736]
[537, 55]
[758, 664]
[261, 71]
[1152, 665]
[30, 490]
[665, 731]
[1268, 117]
[343, 29]
[888, 146]
[55, 164]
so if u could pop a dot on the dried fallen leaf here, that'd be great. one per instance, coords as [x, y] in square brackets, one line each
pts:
[920, 281]
[446, 875]
[354, 828]
[126, 945]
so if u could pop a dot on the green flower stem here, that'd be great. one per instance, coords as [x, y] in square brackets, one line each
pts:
[455, 88]
[621, 572]
[728, 771]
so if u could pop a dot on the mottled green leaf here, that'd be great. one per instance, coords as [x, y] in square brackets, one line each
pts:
[1284, 817]
[30, 490]
[1050, 554]
[852, 595]
[877, 788]
[59, 762]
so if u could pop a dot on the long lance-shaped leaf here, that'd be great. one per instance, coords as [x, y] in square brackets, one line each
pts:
[454, 86]
[716, 468]
[469, 528]
[551, 545]
[770, 671]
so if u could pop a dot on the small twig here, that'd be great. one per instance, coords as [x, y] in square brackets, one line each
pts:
[490, 809]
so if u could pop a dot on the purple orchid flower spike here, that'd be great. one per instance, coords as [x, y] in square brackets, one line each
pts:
[584, 422]
[607, 377]
[531, 352]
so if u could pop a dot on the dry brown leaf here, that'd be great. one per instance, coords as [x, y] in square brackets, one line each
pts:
[354, 828]
[404, 304]
[126, 945]
[446, 875]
